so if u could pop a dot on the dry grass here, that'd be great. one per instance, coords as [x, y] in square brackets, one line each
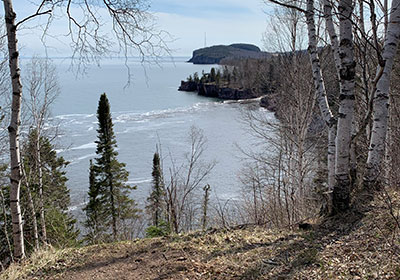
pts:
[352, 246]
[36, 262]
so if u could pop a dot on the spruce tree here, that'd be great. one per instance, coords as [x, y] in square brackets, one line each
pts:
[109, 193]
[212, 75]
[94, 221]
[155, 205]
[62, 231]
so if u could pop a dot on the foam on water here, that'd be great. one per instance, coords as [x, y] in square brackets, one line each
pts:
[147, 115]
[90, 145]
[76, 160]
[155, 114]
[139, 181]
[73, 116]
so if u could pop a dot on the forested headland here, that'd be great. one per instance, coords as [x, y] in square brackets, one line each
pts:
[320, 199]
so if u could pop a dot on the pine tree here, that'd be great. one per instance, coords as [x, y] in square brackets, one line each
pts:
[155, 201]
[109, 194]
[61, 231]
[212, 75]
[94, 221]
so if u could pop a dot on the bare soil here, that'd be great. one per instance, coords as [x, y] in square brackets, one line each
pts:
[356, 245]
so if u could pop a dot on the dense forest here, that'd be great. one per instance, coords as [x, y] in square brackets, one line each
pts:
[329, 162]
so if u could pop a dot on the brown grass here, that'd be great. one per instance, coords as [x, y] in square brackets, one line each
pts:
[352, 246]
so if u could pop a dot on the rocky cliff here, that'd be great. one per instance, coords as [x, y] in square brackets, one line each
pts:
[222, 92]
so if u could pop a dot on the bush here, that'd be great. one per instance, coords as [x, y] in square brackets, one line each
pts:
[156, 231]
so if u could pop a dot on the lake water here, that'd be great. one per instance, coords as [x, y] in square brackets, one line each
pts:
[150, 111]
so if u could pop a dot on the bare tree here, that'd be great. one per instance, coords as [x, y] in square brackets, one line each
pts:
[185, 181]
[132, 29]
[42, 86]
[277, 184]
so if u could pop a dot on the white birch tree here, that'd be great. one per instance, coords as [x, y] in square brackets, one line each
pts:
[381, 99]
[320, 91]
[343, 51]
[132, 29]
[341, 192]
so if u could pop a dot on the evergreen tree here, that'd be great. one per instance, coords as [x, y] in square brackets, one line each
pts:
[212, 75]
[218, 77]
[235, 74]
[155, 201]
[108, 194]
[61, 231]
[6, 252]
[196, 77]
[94, 221]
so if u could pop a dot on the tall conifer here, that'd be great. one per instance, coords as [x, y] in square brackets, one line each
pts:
[109, 192]
[155, 201]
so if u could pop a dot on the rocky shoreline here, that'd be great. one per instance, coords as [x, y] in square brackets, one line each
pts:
[228, 93]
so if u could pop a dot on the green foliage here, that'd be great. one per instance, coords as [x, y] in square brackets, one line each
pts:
[61, 229]
[218, 77]
[212, 75]
[94, 220]
[214, 54]
[196, 77]
[109, 204]
[155, 206]
[60, 224]
[163, 229]
[5, 217]
[235, 74]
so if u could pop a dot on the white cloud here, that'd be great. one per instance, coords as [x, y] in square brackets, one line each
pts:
[230, 26]
[189, 31]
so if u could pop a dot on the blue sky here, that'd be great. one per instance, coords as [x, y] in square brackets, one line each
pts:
[188, 21]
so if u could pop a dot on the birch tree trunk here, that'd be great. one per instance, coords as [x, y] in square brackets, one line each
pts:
[320, 91]
[32, 208]
[40, 175]
[381, 100]
[13, 130]
[332, 33]
[341, 192]
[33, 213]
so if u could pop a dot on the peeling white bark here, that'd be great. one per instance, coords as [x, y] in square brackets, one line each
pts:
[341, 192]
[40, 175]
[13, 129]
[381, 99]
[320, 91]
[332, 33]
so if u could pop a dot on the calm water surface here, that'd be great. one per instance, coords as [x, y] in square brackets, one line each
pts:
[149, 111]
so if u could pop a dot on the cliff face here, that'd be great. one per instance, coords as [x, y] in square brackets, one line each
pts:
[213, 90]
[214, 54]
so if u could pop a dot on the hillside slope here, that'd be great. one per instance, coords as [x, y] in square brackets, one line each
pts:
[214, 54]
[353, 246]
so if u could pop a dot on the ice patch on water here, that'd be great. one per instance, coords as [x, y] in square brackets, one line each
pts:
[150, 126]
[76, 160]
[140, 117]
[91, 145]
[138, 181]
[73, 116]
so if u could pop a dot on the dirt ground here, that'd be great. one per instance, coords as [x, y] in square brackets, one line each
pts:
[353, 246]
